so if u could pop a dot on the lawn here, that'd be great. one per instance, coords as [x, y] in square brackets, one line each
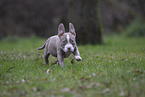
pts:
[114, 69]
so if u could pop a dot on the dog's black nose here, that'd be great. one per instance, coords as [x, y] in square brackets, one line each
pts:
[68, 48]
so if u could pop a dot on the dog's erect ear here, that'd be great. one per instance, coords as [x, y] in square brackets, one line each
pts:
[72, 29]
[61, 29]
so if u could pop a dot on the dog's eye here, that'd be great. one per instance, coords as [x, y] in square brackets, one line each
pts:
[64, 42]
[72, 41]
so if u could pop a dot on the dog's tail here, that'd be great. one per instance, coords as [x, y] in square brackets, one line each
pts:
[40, 48]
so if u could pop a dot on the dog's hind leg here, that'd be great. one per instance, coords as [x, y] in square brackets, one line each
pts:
[46, 55]
[46, 60]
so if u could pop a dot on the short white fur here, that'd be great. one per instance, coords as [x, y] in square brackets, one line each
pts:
[67, 37]
[68, 45]
[78, 58]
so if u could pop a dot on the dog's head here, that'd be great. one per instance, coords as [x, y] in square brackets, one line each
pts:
[67, 40]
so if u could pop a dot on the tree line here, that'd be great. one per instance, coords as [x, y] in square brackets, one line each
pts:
[91, 18]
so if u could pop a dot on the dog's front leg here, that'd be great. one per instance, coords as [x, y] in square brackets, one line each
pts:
[60, 58]
[77, 54]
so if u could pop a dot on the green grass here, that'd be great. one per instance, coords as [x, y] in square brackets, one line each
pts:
[114, 69]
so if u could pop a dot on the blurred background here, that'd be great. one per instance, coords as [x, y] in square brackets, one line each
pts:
[92, 18]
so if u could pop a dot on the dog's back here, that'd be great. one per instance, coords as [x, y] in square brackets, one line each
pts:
[51, 45]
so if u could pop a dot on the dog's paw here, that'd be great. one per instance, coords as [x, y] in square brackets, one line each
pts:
[78, 58]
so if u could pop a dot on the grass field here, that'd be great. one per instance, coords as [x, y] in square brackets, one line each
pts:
[114, 69]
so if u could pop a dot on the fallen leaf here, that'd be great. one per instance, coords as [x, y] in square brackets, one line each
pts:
[137, 85]
[48, 71]
[82, 79]
[18, 82]
[106, 90]
[122, 93]
[138, 71]
[23, 81]
[65, 90]
[94, 74]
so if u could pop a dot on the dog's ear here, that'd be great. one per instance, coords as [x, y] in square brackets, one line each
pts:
[72, 29]
[61, 30]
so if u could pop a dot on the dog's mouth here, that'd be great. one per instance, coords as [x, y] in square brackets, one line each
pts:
[69, 51]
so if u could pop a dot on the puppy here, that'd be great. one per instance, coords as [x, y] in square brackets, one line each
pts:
[61, 45]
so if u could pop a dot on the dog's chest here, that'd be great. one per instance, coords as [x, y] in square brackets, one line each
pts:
[67, 54]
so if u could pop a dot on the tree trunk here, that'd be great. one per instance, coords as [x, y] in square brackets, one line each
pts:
[85, 15]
